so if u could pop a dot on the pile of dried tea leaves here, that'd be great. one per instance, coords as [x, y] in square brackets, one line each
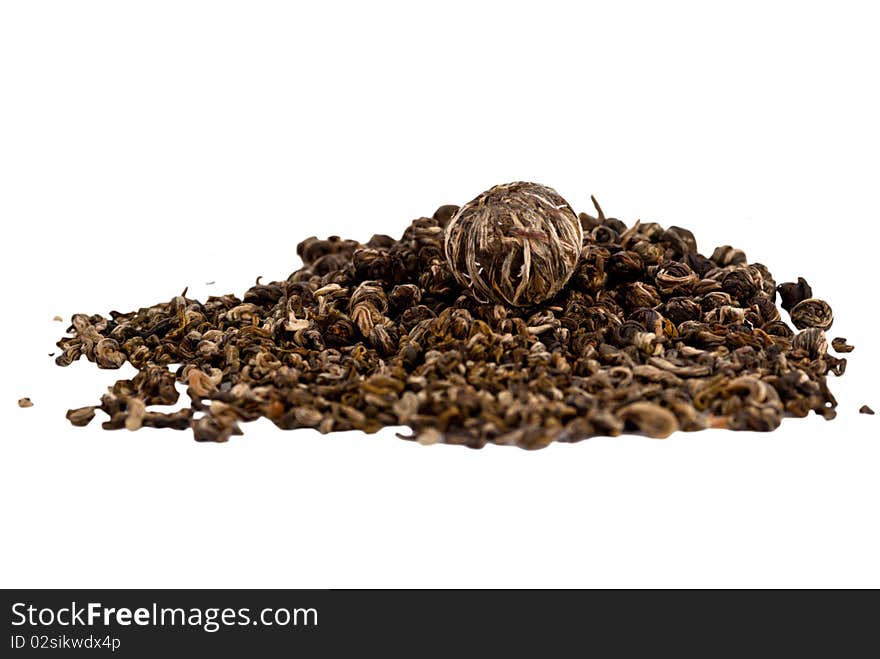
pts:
[648, 336]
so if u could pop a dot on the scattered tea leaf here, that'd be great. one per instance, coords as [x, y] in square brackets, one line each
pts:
[840, 345]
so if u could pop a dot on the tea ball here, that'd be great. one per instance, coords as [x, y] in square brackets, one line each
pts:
[811, 313]
[517, 243]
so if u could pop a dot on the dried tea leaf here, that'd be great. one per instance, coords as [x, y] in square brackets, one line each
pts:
[840, 345]
[590, 327]
[649, 419]
[812, 313]
[81, 416]
[793, 293]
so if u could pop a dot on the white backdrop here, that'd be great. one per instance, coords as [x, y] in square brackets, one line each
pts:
[149, 147]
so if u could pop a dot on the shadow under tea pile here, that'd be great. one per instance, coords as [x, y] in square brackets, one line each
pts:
[647, 336]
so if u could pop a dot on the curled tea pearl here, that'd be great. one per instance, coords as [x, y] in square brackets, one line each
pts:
[811, 313]
[516, 243]
[812, 341]
[649, 419]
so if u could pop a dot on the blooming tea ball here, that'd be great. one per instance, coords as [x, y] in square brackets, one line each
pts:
[516, 243]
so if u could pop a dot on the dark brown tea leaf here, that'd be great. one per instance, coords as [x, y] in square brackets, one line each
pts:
[509, 320]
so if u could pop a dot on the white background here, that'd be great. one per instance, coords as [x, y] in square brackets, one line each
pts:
[145, 147]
